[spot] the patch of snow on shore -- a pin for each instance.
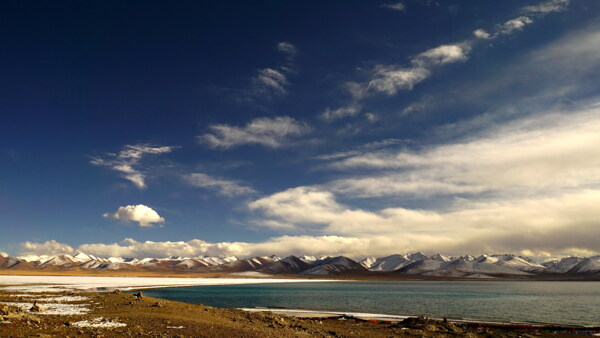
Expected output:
(62, 299)
(99, 323)
(53, 308)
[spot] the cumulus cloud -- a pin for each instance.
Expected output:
(141, 214)
(514, 25)
(482, 34)
(222, 186)
(51, 247)
(355, 247)
(127, 161)
(282, 246)
(442, 55)
(270, 132)
(397, 6)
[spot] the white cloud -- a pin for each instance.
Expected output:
(288, 48)
(517, 24)
(531, 184)
(47, 248)
(361, 150)
(222, 186)
(270, 82)
(546, 7)
(338, 113)
(442, 55)
(128, 159)
(555, 151)
(141, 214)
(356, 247)
(550, 224)
(398, 6)
(514, 25)
(482, 34)
(283, 246)
(270, 132)
(391, 79)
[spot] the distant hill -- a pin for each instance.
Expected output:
(416, 264)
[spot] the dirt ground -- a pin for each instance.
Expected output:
(125, 315)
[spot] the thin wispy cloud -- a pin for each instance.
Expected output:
(270, 132)
(389, 79)
(529, 14)
(361, 150)
(127, 161)
(273, 82)
(553, 151)
(546, 7)
(397, 6)
(270, 82)
(222, 186)
(287, 48)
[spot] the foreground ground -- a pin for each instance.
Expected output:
(64, 314)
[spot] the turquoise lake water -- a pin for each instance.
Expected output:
(567, 303)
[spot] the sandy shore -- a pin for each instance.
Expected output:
(87, 314)
(55, 306)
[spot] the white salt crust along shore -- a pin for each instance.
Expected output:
(49, 284)
(322, 314)
(327, 314)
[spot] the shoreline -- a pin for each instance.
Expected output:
(395, 318)
(123, 315)
(27, 289)
(109, 283)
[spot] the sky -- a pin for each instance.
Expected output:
(357, 128)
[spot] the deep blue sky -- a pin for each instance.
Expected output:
(80, 81)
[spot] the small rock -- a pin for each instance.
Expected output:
(117, 292)
(139, 295)
(35, 307)
(4, 310)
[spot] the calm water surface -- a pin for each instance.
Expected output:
(575, 303)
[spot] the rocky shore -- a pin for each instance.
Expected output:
(115, 314)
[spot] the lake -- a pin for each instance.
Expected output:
(548, 302)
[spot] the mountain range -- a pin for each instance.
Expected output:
(416, 264)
